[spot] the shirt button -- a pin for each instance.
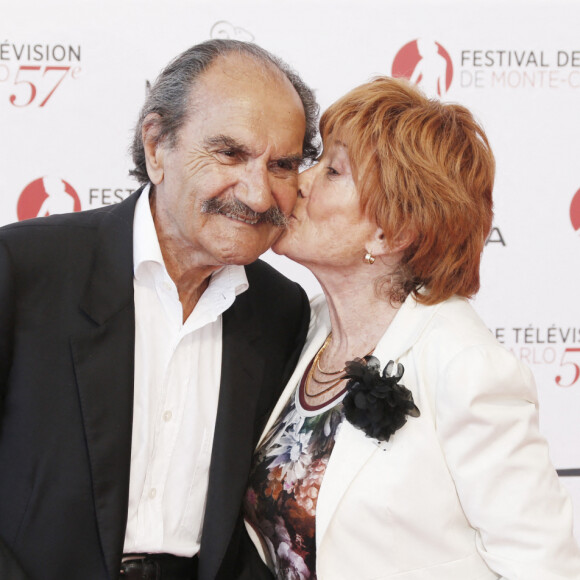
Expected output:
(152, 493)
(167, 416)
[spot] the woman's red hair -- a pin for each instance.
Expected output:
(425, 170)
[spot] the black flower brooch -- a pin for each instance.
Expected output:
(375, 402)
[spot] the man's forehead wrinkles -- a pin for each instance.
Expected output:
(224, 140)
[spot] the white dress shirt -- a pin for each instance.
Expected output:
(177, 378)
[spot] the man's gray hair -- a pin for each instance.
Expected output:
(169, 96)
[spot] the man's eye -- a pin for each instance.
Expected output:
(228, 152)
(331, 171)
(286, 164)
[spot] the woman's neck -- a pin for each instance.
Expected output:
(359, 318)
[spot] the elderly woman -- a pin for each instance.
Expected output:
(430, 466)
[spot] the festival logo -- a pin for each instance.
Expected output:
(428, 64)
(425, 63)
(47, 196)
(224, 29)
(575, 211)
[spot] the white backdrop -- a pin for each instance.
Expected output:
(73, 75)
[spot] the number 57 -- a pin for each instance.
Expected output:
(32, 87)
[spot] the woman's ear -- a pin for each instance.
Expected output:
(377, 245)
(403, 240)
(380, 246)
(154, 151)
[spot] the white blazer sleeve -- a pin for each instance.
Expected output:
(487, 420)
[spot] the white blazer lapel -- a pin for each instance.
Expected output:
(353, 448)
(351, 451)
(404, 331)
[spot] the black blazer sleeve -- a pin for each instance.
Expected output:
(6, 320)
(9, 567)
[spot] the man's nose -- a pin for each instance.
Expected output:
(255, 189)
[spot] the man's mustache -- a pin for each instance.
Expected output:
(234, 208)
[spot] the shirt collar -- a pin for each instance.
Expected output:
(145, 243)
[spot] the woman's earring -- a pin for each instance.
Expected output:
(369, 258)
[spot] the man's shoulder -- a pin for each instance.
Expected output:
(271, 293)
(67, 222)
(263, 277)
(277, 305)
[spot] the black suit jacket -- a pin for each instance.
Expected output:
(67, 327)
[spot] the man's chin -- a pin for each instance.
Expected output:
(278, 246)
(241, 258)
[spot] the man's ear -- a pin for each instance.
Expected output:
(154, 151)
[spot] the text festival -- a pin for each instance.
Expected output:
(520, 69)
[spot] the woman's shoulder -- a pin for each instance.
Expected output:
(455, 328)
(457, 319)
(458, 343)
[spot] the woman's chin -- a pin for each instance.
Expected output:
(289, 245)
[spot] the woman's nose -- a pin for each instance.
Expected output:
(305, 181)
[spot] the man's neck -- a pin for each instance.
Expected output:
(185, 267)
(191, 282)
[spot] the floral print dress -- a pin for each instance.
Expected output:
(288, 468)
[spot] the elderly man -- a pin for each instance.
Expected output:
(142, 345)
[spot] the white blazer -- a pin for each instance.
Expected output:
(466, 491)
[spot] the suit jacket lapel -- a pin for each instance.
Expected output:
(104, 367)
(317, 333)
(351, 451)
(404, 331)
(242, 367)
